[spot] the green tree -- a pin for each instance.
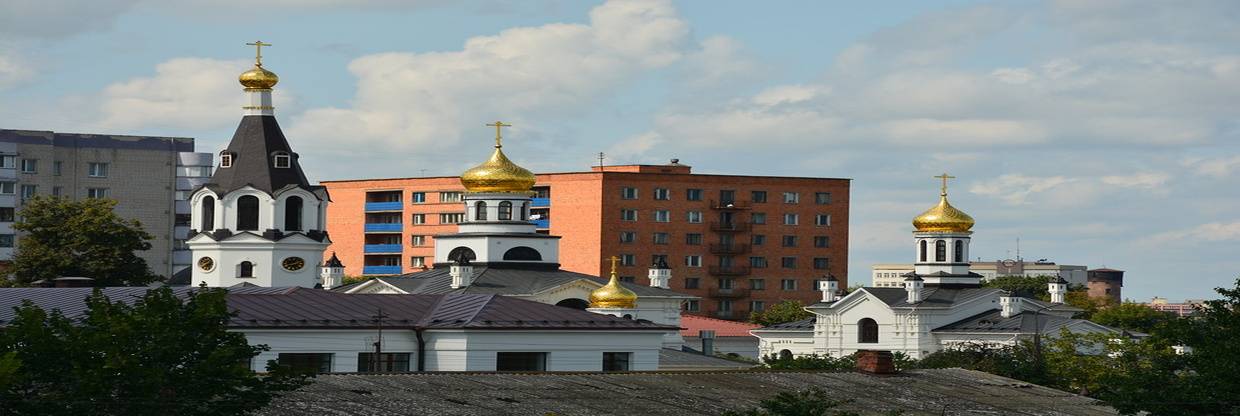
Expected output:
(810, 402)
(810, 362)
(160, 355)
(1132, 316)
(85, 238)
(1029, 286)
(1207, 383)
(784, 311)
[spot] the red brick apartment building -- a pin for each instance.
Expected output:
(741, 243)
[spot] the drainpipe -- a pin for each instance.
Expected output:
(417, 331)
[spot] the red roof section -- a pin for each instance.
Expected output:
(691, 324)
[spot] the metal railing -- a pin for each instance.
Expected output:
(729, 248)
(729, 270)
(734, 226)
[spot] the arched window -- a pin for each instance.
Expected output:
(247, 213)
(867, 331)
(480, 211)
(522, 253)
(456, 253)
(208, 213)
(940, 250)
(574, 303)
(245, 269)
(785, 354)
(958, 254)
(923, 250)
(292, 213)
(505, 211)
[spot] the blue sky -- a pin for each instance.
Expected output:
(1101, 133)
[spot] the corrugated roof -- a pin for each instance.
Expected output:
(1021, 323)
(691, 325)
(503, 281)
(932, 297)
(806, 324)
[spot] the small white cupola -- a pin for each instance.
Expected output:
(462, 272)
(332, 272)
(830, 288)
(660, 274)
(1011, 306)
(1059, 289)
(915, 287)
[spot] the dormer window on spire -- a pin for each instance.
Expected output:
(226, 159)
(282, 160)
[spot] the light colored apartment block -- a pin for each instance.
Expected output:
(892, 275)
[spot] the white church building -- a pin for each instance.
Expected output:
(941, 304)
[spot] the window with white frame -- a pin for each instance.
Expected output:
(693, 194)
(693, 261)
(693, 305)
(283, 160)
(28, 191)
(661, 238)
(662, 194)
(451, 218)
(822, 220)
(628, 215)
(417, 240)
(8, 161)
(792, 197)
(694, 217)
(822, 198)
(57, 165)
(98, 170)
(417, 261)
(226, 160)
(628, 260)
(757, 306)
(451, 196)
(628, 193)
(662, 216)
(418, 197)
(417, 219)
(628, 236)
(30, 165)
(788, 284)
(8, 188)
(96, 192)
(791, 219)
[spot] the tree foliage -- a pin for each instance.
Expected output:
(61, 237)
(1132, 316)
(810, 362)
(160, 355)
(809, 402)
(1027, 286)
(784, 311)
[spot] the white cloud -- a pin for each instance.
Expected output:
(1218, 167)
(789, 94)
(58, 18)
(1148, 180)
(721, 60)
(1015, 189)
(13, 70)
(1205, 233)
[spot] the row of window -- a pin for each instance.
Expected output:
(758, 262)
(282, 160)
(247, 213)
(940, 251)
(695, 239)
(725, 196)
(695, 217)
(29, 191)
(93, 169)
(399, 361)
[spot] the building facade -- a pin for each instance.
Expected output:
(892, 275)
(1106, 283)
(740, 243)
(148, 177)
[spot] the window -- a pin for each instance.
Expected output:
(391, 261)
(628, 236)
(788, 284)
(757, 197)
(56, 190)
(693, 283)
(867, 331)
(757, 239)
(792, 197)
(418, 197)
(693, 261)
(757, 284)
(307, 362)
(757, 305)
(693, 194)
(7, 188)
(662, 194)
(822, 198)
(791, 219)
(283, 160)
(725, 305)
(726, 283)
(292, 213)
(788, 262)
(480, 211)
(628, 260)
(417, 261)
(922, 248)
(694, 217)
(417, 240)
(7, 214)
(6, 240)
(757, 218)
(662, 216)
(30, 165)
(226, 160)
(388, 362)
(940, 250)
(693, 305)
(182, 220)
(8, 161)
(821, 241)
(628, 193)
(616, 361)
(520, 361)
(451, 196)
(100, 170)
(247, 213)
(96, 192)
(28, 191)
(56, 165)
(658, 259)
(822, 263)
(505, 211)
(417, 219)
(958, 253)
(628, 215)
(661, 238)
(693, 239)
(727, 196)
(757, 262)
(452, 218)
(245, 269)
(789, 241)
(822, 220)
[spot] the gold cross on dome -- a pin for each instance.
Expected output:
(613, 259)
(258, 51)
(498, 135)
(944, 177)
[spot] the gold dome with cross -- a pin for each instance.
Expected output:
(258, 78)
(613, 295)
(498, 174)
(943, 217)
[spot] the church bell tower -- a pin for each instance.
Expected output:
(941, 243)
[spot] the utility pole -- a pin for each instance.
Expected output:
(378, 360)
(600, 160)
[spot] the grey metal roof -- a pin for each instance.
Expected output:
(1022, 323)
(98, 141)
(296, 307)
(676, 360)
(255, 142)
(919, 392)
(804, 324)
(503, 281)
(932, 296)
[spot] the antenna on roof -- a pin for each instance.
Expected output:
(377, 360)
(601, 156)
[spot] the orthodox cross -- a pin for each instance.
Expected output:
(945, 177)
(258, 51)
(613, 259)
(498, 135)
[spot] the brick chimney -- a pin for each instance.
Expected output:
(875, 362)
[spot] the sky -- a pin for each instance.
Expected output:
(1100, 133)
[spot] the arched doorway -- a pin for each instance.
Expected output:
(574, 303)
(456, 254)
(867, 331)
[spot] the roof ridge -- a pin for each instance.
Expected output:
(723, 320)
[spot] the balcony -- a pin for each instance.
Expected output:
(729, 205)
(540, 202)
(383, 206)
(730, 227)
(394, 227)
(729, 270)
(541, 224)
(729, 248)
(729, 293)
(372, 270)
(381, 248)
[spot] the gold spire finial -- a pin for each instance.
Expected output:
(498, 135)
(613, 294)
(614, 260)
(944, 177)
(258, 51)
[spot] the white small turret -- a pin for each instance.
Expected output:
(1058, 289)
(915, 287)
(462, 272)
(830, 288)
(332, 272)
(660, 275)
(1011, 306)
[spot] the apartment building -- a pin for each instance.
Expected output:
(741, 243)
(150, 177)
(892, 275)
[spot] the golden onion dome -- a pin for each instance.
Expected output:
(943, 217)
(612, 294)
(258, 78)
(498, 174)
